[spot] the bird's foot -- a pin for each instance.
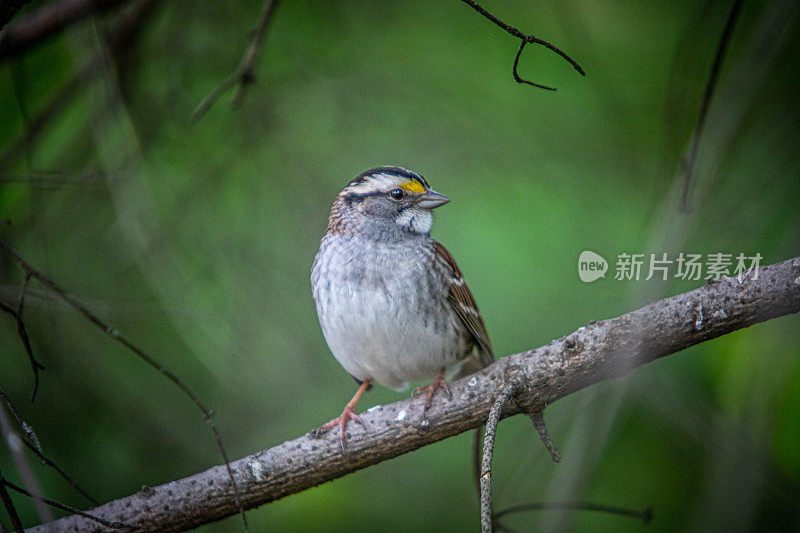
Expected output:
(428, 390)
(349, 413)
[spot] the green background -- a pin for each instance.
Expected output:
(196, 241)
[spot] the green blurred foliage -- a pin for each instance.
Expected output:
(196, 240)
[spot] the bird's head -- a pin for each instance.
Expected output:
(386, 199)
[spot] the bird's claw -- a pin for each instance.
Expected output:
(347, 414)
(428, 390)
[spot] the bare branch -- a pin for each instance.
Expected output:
(524, 39)
(22, 332)
(121, 34)
(690, 158)
(32, 442)
(48, 20)
(602, 350)
(244, 75)
(67, 508)
(24, 425)
(8, 505)
(14, 442)
(9, 9)
(117, 336)
(509, 390)
(537, 417)
(645, 516)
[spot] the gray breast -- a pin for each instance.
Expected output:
(384, 314)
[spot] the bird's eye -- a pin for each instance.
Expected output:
(396, 194)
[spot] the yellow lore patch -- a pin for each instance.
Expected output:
(412, 186)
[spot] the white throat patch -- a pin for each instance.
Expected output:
(418, 220)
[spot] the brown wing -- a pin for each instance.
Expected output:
(464, 305)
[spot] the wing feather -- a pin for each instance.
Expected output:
(463, 303)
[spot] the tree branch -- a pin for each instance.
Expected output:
(524, 39)
(48, 20)
(645, 516)
(113, 525)
(690, 158)
(9, 9)
(32, 443)
(244, 75)
(120, 35)
(602, 350)
(537, 417)
(9, 506)
(22, 332)
(112, 332)
(510, 389)
(15, 443)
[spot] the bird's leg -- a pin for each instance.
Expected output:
(439, 382)
(349, 413)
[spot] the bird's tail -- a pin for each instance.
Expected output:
(477, 360)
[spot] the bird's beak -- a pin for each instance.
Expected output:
(431, 199)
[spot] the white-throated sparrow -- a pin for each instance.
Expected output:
(391, 301)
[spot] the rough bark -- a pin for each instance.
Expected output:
(599, 351)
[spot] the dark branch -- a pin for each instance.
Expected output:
(524, 39)
(32, 443)
(537, 418)
(518, 79)
(15, 442)
(67, 508)
(10, 8)
(645, 516)
(23, 335)
(29, 433)
(244, 75)
(48, 20)
(122, 32)
(117, 336)
(8, 505)
(602, 350)
(689, 160)
(511, 387)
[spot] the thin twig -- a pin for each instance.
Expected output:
(494, 517)
(689, 160)
(24, 425)
(14, 442)
(32, 442)
(120, 35)
(67, 508)
(74, 484)
(117, 336)
(23, 334)
(9, 506)
(488, 453)
(524, 39)
(517, 77)
(48, 20)
(538, 422)
(243, 75)
(645, 516)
